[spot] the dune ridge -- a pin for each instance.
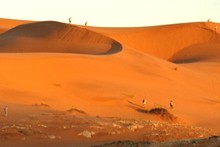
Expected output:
(50, 36)
(167, 40)
(156, 40)
(6, 24)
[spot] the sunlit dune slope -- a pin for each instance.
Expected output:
(6, 24)
(54, 37)
(167, 41)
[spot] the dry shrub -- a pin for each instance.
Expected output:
(163, 113)
(72, 110)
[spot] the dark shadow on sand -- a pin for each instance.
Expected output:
(162, 112)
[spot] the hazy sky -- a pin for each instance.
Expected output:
(113, 12)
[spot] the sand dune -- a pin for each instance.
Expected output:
(2, 30)
(55, 37)
(165, 41)
(6, 24)
(197, 53)
(106, 72)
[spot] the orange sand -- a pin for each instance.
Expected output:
(108, 71)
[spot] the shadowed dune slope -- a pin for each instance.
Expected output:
(197, 53)
(2, 30)
(167, 41)
(51, 36)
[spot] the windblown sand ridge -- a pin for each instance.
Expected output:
(55, 37)
(6, 24)
(168, 40)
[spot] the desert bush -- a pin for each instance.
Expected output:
(72, 110)
(163, 113)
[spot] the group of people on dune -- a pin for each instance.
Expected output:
(215, 28)
(70, 20)
(144, 102)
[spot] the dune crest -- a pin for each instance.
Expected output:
(56, 37)
(6, 24)
(167, 40)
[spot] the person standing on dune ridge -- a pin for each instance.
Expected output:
(69, 20)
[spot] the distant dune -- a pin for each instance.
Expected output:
(167, 40)
(56, 37)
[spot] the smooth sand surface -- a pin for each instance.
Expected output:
(107, 72)
(6, 24)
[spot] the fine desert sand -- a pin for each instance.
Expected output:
(67, 84)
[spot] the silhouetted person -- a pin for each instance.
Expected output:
(70, 20)
(208, 20)
(86, 24)
(6, 111)
(171, 104)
